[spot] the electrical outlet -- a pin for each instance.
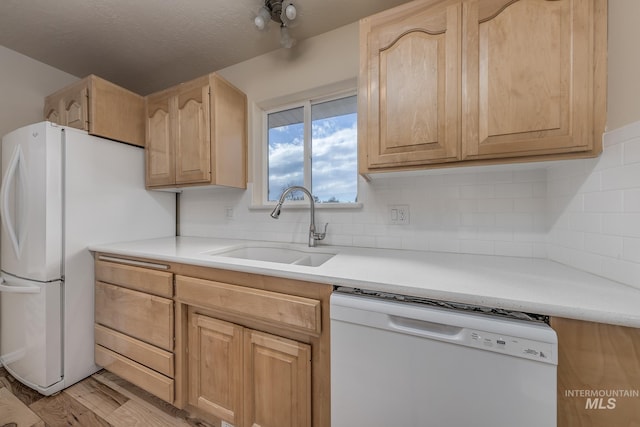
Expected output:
(229, 212)
(399, 214)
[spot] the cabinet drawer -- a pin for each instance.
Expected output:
(141, 279)
(136, 350)
(143, 316)
(285, 310)
(135, 373)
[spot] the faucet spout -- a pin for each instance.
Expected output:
(275, 214)
(313, 235)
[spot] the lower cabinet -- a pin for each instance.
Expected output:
(253, 350)
(247, 377)
(254, 357)
(247, 349)
(134, 325)
(598, 374)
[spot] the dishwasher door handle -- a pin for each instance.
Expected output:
(425, 328)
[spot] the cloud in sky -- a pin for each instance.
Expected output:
(334, 162)
(334, 158)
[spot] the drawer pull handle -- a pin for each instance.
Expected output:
(132, 262)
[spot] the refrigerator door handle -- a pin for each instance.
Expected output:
(18, 289)
(16, 166)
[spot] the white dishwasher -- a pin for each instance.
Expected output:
(409, 362)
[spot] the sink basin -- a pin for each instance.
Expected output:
(282, 254)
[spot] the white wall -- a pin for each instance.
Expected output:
(325, 60)
(584, 213)
(24, 83)
(623, 101)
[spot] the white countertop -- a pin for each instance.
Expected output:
(522, 284)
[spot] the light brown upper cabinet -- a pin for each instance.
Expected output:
(481, 81)
(99, 107)
(197, 135)
(409, 95)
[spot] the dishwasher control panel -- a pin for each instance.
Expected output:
(514, 346)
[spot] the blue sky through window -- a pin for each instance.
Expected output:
(333, 154)
(334, 173)
(286, 158)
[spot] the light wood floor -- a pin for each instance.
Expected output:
(100, 400)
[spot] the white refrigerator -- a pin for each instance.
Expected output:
(63, 190)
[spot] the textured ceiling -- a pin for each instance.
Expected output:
(148, 45)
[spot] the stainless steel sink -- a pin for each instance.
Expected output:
(278, 253)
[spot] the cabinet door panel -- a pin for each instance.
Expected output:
(215, 367)
(402, 129)
(410, 95)
(76, 110)
(528, 78)
(597, 357)
(159, 147)
(52, 109)
(277, 381)
(115, 112)
(228, 134)
(193, 136)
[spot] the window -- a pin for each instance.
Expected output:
(314, 144)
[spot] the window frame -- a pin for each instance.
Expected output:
(306, 103)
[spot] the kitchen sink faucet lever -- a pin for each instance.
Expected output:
(313, 235)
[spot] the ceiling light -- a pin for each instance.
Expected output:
(282, 12)
(290, 12)
(286, 40)
(262, 19)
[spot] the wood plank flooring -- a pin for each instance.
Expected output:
(101, 400)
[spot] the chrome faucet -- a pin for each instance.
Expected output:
(313, 236)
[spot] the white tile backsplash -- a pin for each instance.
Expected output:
(631, 249)
(449, 211)
(602, 244)
(622, 224)
(603, 201)
(595, 226)
(632, 152)
(631, 200)
(584, 213)
(621, 177)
